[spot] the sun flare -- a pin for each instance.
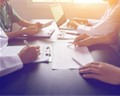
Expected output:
(75, 1)
(87, 1)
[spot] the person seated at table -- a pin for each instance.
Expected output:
(9, 64)
(99, 70)
(8, 16)
(109, 23)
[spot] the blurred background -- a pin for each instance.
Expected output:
(39, 9)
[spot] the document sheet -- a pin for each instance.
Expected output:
(14, 50)
(63, 55)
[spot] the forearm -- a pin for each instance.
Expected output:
(106, 39)
(24, 23)
(93, 22)
(12, 35)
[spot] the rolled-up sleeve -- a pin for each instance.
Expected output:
(9, 64)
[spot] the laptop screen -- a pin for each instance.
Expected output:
(58, 14)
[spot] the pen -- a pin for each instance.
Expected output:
(26, 43)
(77, 61)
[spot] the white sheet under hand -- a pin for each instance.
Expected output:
(62, 56)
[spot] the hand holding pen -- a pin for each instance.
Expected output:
(29, 54)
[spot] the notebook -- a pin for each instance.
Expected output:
(59, 17)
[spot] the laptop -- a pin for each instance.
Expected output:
(59, 17)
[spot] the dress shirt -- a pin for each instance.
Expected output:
(109, 23)
(8, 64)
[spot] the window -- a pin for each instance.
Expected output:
(75, 1)
(52, 0)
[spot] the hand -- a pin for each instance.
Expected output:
(102, 71)
(30, 54)
(32, 30)
(80, 20)
(81, 37)
(38, 25)
(86, 40)
(72, 24)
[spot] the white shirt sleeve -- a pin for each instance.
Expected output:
(9, 64)
(107, 25)
(93, 21)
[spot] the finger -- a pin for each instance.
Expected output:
(38, 47)
(86, 42)
(69, 24)
(37, 50)
(39, 53)
(94, 76)
(89, 70)
(81, 37)
(72, 24)
(90, 65)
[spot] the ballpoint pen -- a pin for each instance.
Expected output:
(77, 61)
(26, 43)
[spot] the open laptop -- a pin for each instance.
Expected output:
(59, 17)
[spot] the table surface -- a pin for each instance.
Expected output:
(40, 79)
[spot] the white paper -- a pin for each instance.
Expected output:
(46, 31)
(62, 56)
(14, 50)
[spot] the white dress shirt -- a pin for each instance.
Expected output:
(110, 22)
(8, 64)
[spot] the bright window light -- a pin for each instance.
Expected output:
(75, 1)
(88, 1)
(52, 0)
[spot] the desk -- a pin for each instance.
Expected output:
(40, 79)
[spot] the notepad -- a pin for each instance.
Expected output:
(14, 50)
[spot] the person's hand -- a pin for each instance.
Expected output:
(101, 71)
(29, 54)
(30, 31)
(38, 25)
(72, 24)
(86, 40)
(81, 37)
(80, 20)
